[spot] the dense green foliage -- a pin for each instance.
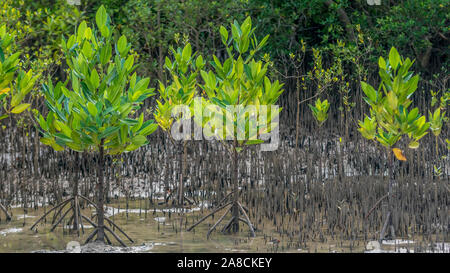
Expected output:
(152, 26)
(98, 108)
(237, 88)
(320, 110)
(319, 49)
(389, 116)
(184, 70)
(38, 27)
(15, 83)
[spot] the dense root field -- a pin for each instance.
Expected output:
(159, 231)
(296, 196)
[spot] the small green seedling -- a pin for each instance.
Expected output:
(320, 110)
(437, 118)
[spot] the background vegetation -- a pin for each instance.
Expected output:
(346, 37)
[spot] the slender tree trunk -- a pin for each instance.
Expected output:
(182, 173)
(36, 167)
(75, 192)
(437, 147)
(297, 122)
(235, 209)
(347, 121)
(100, 198)
(391, 198)
(341, 161)
(22, 184)
(389, 216)
(436, 176)
(390, 175)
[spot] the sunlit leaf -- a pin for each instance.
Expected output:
(399, 154)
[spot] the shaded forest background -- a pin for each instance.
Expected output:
(318, 48)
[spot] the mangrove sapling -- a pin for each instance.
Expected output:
(320, 114)
(320, 111)
(390, 119)
(323, 79)
(97, 113)
(15, 84)
(437, 119)
(175, 104)
(237, 91)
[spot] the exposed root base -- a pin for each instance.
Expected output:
(108, 241)
(233, 219)
(114, 226)
(76, 220)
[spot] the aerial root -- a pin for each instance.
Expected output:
(228, 225)
(95, 231)
(212, 213)
(60, 205)
(75, 220)
(387, 222)
(115, 236)
(116, 226)
(218, 222)
(60, 219)
(89, 238)
(226, 198)
(376, 204)
(3, 208)
(111, 223)
(247, 219)
(242, 211)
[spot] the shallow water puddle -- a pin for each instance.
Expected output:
(24, 216)
(407, 247)
(4, 232)
(158, 230)
(110, 211)
(397, 242)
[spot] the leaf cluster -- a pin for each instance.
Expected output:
(390, 118)
(99, 107)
